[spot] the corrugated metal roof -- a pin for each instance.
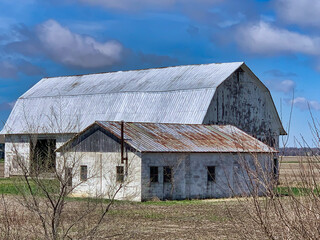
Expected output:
(167, 95)
(149, 80)
(161, 137)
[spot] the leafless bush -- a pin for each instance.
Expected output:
(290, 210)
(45, 180)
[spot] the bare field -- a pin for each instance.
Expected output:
(295, 168)
(196, 219)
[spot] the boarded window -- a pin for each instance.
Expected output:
(69, 177)
(120, 174)
(167, 174)
(83, 173)
(211, 173)
(154, 174)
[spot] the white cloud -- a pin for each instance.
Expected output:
(301, 12)
(262, 38)
(129, 5)
(285, 86)
(76, 50)
(10, 69)
(304, 104)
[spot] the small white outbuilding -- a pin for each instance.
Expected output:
(166, 161)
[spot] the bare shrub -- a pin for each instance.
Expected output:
(290, 210)
(45, 180)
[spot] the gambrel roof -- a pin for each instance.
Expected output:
(173, 138)
(68, 104)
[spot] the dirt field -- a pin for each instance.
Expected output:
(199, 219)
(295, 168)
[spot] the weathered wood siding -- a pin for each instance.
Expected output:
(97, 140)
(242, 102)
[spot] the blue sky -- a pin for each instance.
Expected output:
(278, 39)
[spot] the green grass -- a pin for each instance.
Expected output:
(17, 186)
(293, 161)
(293, 191)
(1, 160)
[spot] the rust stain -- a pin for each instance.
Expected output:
(164, 137)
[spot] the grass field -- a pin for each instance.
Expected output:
(187, 219)
(294, 168)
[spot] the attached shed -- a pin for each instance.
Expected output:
(55, 109)
(167, 161)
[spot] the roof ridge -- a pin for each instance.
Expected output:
(194, 124)
(144, 69)
(89, 94)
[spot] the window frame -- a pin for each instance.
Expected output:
(120, 174)
(167, 176)
(154, 175)
(211, 175)
(82, 172)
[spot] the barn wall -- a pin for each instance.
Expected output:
(242, 102)
(190, 175)
(102, 175)
(20, 145)
(101, 162)
(17, 149)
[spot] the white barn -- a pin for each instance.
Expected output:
(56, 108)
(166, 161)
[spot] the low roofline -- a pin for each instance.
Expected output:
(98, 123)
(254, 152)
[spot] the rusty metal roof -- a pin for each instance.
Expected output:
(164, 137)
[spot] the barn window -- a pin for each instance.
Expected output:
(83, 172)
(167, 174)
(120, 174)
(68, 177)
(42, 155)
(211, 173)
(154, 174)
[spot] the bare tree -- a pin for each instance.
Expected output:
(45, 180)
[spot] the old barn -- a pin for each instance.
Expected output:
(55, 109)
(166, 161)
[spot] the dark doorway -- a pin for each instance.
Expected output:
(275, 168)
(42, 155)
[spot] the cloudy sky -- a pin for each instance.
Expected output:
(278, 39)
